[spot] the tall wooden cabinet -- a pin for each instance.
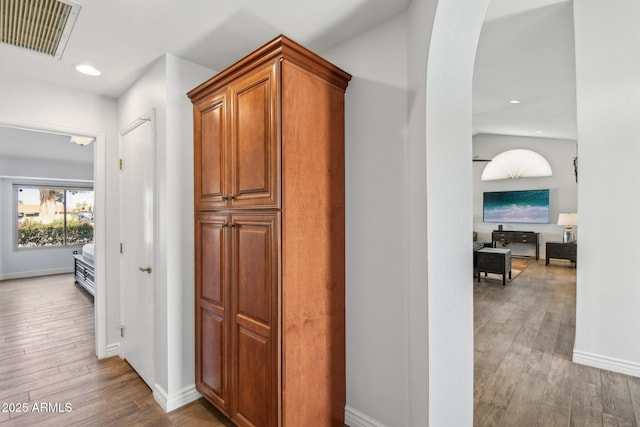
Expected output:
(269, 238)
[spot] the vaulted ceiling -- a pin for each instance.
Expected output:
(526, 53)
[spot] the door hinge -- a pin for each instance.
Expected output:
(121, 329)
(121, 248)
(120, 164)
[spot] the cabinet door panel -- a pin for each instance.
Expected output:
(212, 301)
(214, 364)
(255, 143)
(255, 252)
(210, 152)
(253, 279)
(212, 263)
(253, 379)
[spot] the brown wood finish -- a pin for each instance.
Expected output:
(210, 148)
(212, 302)
(236, 145)
(47, 354)
(255, 148)
(284, 166)
(255, 256)
(313, 248)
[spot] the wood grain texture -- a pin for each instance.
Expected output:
(313, 249)
(48, 356)
(586, 407)
(212, 313)
(524, 376)
(211, 136)
(284, 156)
(280, 46)
(523, 407)
(255, 254)
(254, 166)
(616, 398)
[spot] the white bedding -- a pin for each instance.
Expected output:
(87, 252)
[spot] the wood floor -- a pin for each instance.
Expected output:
(524, 376)
(48, 365)
(524, 335)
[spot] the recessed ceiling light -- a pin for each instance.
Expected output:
(539, 132)
(514, 101)
(88, 70)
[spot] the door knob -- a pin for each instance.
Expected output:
(147, 269)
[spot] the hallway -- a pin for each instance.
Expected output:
(48, 365)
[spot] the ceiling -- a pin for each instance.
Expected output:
(525, 50)
(122, 37)
(21, 143)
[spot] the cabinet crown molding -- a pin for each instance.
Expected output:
(282, 48)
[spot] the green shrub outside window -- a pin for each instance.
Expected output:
(49, 217)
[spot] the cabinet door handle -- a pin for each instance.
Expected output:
(147, 269)
(230, 197)
(224, 197)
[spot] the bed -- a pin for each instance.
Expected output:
(84, 271)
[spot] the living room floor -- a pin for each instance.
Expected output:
(524, 334)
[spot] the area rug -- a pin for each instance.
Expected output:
(518, 266)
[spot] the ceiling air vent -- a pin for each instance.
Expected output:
(37, 25)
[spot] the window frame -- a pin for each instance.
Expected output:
(53, 185)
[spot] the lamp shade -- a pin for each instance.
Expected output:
(568, 219)
(517, 163)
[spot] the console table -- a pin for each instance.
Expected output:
(559, 250)
(517, 237)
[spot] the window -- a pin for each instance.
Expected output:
(53, 216)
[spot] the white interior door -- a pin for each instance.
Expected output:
(136, 234)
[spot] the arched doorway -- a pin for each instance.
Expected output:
(441, 390)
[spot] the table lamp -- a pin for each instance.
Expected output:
(568, 220)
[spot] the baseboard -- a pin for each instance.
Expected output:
(112, 350)
(354, 418)
(607, 363)
(175, 401)
(36, 273)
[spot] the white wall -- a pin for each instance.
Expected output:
(421, 14)
(182, 76)
(608, 89)
(562, 184)
(409, 217)
(376, 225)
(164, 88)
(43, 105)
(456, 31)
